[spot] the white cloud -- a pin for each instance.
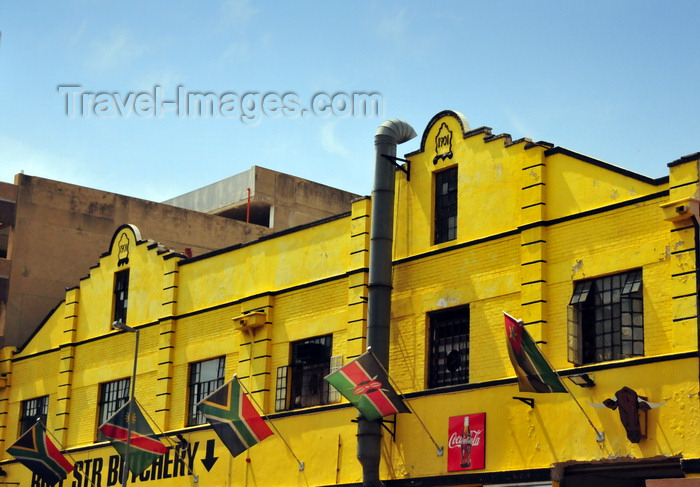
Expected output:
(237, 13)
(331, 143)
(115, 51)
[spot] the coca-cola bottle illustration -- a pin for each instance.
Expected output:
(466, 460)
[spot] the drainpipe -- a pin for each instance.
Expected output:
(388, 136)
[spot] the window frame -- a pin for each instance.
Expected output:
(112, 395)
(198, 389)
(121, 295)
(445, 205)
(437, 356)
(31, 411)
(292, 390)
(606, 318)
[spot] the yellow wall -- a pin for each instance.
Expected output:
(532, 219)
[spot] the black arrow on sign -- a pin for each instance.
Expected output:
(209, 459)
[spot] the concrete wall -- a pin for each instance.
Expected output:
(287, 201)
(61, 229)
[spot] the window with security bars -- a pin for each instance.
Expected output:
(33, 410)
(113, 395)
(606, 319)
(448, 347)
(301, 384)
(446, 205)
(121, 295)
(205, 377)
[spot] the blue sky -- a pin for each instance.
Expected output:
(617, 81)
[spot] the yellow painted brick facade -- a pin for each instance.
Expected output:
(532, 221)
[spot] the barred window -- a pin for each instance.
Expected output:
(113, 395)
(205, 377)
(33, 410)
(446, 205)
(449, 347)
(301, 384)
(606, 319)
(121, 295)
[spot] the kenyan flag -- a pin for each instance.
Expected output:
(364, 383)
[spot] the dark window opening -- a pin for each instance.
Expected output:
(606, 319)
(205, 377)
(121, 295)
(303, 380)
(113, 395)
(33, 410)
(449, 347)
(446, 205)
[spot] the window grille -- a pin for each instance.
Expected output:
(205, 377)
(449, 347)
(113, 395)
(33, 410)
(301, 384)
(336, 364)
(606, 319)
(121, 295)
(446, 205)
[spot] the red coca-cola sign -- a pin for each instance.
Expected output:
(467, 442)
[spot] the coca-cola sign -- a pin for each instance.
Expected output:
(466, 443)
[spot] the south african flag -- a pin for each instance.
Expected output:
(35, 451)
(233, 417)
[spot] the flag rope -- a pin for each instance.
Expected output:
(408, 404)
(63, 450)
(264, 416)
(167, 438)
(599, 435)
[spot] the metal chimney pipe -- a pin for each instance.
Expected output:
(388, 136)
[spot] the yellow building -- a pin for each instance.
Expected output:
(599, 262)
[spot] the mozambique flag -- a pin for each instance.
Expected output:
(35, 451)
(533, 371)
(365, 383)
(144, 446)
(233, 417)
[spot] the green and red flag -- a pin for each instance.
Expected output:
(144, 447)
(35, 450)
(365, 383)
(532, 369)
(233, 417)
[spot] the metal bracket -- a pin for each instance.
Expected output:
(406, 170)
(392, 431)
(527, 400)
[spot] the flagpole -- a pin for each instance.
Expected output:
(167, 438)
(440, 449)
(63, 450)
(119, 325)
(599, 435)
(301, 464)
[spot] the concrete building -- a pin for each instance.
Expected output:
(600, 263)
(51, 232)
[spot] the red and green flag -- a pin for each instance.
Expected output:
(233, 417)
(532, 369)
(35, 450)
(144, 447)
(365, 383)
